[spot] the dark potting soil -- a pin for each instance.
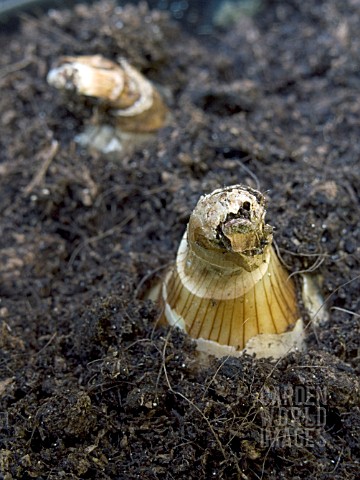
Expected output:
(89, 388)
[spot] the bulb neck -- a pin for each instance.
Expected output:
(226, 262)
(214, 278)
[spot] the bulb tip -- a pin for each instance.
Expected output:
(231, 220)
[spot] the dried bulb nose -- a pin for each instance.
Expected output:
(230, 223)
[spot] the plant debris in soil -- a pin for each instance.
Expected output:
(89, 387)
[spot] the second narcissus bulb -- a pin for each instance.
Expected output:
(131, 107)
(228, 289)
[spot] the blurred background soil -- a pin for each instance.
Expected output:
(89, 388)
